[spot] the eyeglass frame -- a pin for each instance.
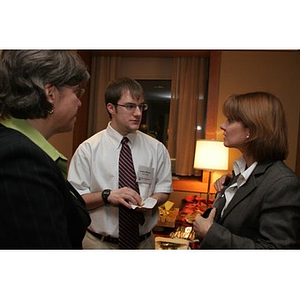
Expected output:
(132, 106)
(79, 91)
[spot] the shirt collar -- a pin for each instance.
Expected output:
(34, 135)
(116, 137)
(239, 167)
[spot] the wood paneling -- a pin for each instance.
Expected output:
(297, 170)
(80, 128)
(151, 53)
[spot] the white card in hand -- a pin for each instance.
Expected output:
(148, 203)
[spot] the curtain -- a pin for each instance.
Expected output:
(186, 92)
(103, 70)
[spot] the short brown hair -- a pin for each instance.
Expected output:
(263, 114)
(116, 88)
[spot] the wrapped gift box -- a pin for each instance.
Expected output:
(167, 218)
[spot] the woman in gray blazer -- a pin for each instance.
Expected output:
(259, 205)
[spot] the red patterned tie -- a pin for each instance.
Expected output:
(129, 219)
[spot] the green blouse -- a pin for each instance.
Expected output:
(24, 127)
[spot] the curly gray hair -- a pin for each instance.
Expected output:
(25, 73)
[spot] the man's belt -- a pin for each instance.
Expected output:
(110, 239)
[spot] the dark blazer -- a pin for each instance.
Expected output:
(37, 210)
(264, 213)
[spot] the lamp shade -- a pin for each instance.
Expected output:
(211, 155)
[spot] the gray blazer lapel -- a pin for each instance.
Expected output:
(253, 181)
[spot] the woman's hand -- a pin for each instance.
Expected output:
(202, 225)
(220, 183)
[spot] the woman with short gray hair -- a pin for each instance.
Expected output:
(40, 95)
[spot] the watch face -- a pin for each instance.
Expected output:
(106, 193)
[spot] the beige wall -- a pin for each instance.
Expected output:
(146, 67)
(277, 72)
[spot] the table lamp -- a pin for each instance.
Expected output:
(210, 155)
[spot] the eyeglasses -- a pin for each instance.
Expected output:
(77, 90)
(132, 106)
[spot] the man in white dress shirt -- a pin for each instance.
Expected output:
(94, 169)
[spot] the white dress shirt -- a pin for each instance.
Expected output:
(239, 167)
(94, 167)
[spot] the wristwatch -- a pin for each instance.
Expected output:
(105, 195)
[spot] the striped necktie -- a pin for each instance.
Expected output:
(129, 219)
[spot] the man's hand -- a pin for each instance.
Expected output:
(124, 196)
(202, 225)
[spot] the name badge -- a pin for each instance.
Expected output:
(145, 174)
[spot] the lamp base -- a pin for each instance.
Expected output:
(208, 188)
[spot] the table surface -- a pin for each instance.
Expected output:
(191, 185)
